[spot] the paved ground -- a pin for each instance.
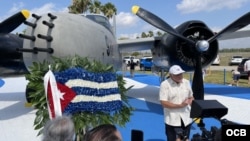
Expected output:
(16, 120)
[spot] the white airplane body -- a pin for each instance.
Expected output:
(70, 35)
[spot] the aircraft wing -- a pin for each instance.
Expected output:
(137, 44)
(235, 35)
(130, 45)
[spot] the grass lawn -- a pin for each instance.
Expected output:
(220, 77)
(214, 77)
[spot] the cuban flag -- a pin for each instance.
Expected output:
(83, 91)
(53, 95)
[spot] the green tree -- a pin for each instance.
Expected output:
(109, 10)
(143, 35)
(123, 38)
(135, 53)
(159, 33)
(96, 7)
(79, 6)
(150, 34)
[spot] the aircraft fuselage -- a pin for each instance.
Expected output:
(63, 35)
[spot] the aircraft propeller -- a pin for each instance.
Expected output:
(14, 21)
(200, 45)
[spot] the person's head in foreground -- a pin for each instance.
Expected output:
(59, 129)
(104, 132)
(176, 73)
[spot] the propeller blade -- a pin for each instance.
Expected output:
(158, 22)
(197, 85)
(234, 26)
(14, 21)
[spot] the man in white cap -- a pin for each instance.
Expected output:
(176, 96)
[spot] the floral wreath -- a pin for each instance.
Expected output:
(103, 88)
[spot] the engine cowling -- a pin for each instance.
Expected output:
(172, 50)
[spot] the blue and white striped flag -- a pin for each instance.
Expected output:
(88, 91)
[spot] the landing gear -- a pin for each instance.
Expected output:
(163, 75)
(161, 72)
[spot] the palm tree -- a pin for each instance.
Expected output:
(143, 35)
(96, 7)
(159, 33)
(150, 34)
(109, 10)
(79, 6)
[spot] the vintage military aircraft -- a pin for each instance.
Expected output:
(60, 35)
(191, 45)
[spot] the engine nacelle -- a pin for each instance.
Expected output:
(172, 50)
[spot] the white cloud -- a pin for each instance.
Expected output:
(126, 19)
(16, 8)
(192, 6)
(46, 8)
(216, 29)
(148, 27)
(125, 22)
(49, 7)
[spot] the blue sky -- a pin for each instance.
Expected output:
(215, 13)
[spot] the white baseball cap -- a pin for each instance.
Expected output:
(176, 69)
